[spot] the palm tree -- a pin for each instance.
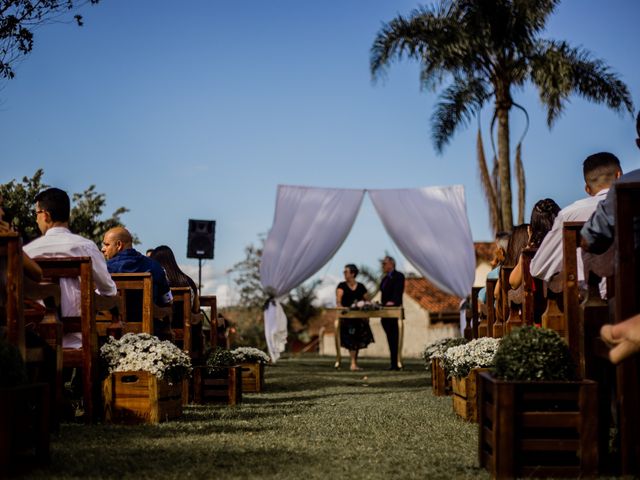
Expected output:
(484, 50)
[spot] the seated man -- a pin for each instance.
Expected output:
(52, 215)
(597, 233)
(117, 248)
(600, 171)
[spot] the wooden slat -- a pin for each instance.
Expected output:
(550, 419)
(549, 444)
(573, 320)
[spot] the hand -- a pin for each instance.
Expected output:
(389, 304)
(624, 337)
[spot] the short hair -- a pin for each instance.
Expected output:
(502, 239)
(638, 124)
(353, 269)
(543, 215)
(56, 202)
(391, 259)
(122, 234)
(600, 169)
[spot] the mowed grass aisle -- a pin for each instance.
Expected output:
(311, 422)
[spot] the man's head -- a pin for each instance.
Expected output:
(388, 264)
(600, 171)
(116, 240)
(52, 209)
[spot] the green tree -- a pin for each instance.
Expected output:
(483, 51)
(20, 18)
(86, 210)
(301, 302)
(247, 277)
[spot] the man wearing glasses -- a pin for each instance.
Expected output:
(52, 215)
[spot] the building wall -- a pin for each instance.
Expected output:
(418, 333)
(482, 270)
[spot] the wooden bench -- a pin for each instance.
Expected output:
(211, 302)
(626, 304)
(136, 293)
(86, 357)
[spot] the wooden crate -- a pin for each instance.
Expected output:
(224, 386)
(538, 429)
(139, 397)
(440, 384)
(24, 427)
(465, 395)
(252, 377)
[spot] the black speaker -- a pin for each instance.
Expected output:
(202, 235)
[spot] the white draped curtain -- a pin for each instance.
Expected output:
(309, 226)
(431, 229)
(429, 226)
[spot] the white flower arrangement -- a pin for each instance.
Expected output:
(459, 361)
(136, 352)
(250, 355)
(437, 348)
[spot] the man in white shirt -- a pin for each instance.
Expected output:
(600, 171)
(52, 214)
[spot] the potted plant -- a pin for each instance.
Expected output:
(219, 380)
(252, 362)
(462, 363)
(145, 379)
(432, 355)
(536, 418)
(24, 412)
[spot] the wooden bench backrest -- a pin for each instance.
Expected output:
(475, 314)
(570, 291)
(529, 298)
(136, 291)
(627, 303)
(491, 309)
(211, 302)
(182, 309)
(86, 358)
(11, 281)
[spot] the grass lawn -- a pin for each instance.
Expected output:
(311, 422)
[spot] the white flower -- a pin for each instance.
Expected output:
(249, 355)
(144, 352)
(459, 361)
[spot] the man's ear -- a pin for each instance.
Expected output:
(638, 142)
(619, 173)
(588, 190)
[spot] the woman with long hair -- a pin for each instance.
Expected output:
(543, 215)
(176, 277)
(355, 333)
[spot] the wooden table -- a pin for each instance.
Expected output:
(383, 312)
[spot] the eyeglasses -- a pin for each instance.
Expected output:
(39, 212)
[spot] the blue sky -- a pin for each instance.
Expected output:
(199, 109)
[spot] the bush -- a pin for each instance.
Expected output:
(218, 359)
(12, 369)
(531, 353)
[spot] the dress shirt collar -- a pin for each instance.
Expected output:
(57, 230)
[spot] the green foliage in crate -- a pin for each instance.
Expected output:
(531, 353)
(218, 359)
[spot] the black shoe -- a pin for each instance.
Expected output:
(393, 368)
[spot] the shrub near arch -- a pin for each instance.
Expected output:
(535, 354)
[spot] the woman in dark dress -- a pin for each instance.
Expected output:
(355, 333)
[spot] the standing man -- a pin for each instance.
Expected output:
(391, 290)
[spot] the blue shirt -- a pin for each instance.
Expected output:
(132, 261)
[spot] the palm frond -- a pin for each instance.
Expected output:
(487, 185)
(458, 103)
(519, 171)
(559, 70)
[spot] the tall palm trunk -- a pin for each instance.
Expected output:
(504, 162)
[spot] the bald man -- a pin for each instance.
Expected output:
(117, 248)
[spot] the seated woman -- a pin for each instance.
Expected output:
(517, 242)
(177, 278)
(502, 239)
(543, 215)
(355, 333)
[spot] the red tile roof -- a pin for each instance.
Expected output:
(430, 297)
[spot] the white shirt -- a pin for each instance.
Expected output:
(60, 242)
(547, 262)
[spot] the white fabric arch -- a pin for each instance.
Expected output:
(309, 226)
(431, 229)
(429, 226)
